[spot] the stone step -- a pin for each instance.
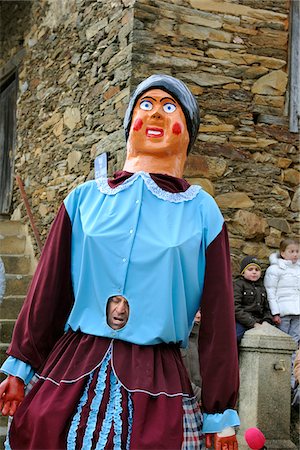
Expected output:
(12, 245)
(10, 306)
(16, 264)
(2, 435)
(6, 329)
(3, 356)
(3, 423)
(17, 284)
(11, 227)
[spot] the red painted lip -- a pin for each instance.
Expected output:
(154, 132)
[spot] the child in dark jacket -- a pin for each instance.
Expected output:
(250, 298)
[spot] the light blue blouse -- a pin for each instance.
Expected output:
(153, 244)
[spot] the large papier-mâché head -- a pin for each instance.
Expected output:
(179, 91)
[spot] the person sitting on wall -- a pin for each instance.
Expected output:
(161, 244)
(250, 298)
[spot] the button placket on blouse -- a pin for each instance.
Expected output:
(125, 258)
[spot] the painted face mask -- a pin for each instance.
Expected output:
(175, 89)
(158, 126)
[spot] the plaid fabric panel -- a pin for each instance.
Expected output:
(30, 385)
(192, 425)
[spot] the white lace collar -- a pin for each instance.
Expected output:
(175, 197)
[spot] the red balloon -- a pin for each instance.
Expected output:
(254, 438)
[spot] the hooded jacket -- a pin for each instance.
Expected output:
(282, 282)
(251, 304)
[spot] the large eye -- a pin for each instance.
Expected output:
(146, 105)
(169, 107)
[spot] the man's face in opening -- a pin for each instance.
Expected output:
(158, 126)
(252, 273)
(117, 312)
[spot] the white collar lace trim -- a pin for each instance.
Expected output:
(175, 197)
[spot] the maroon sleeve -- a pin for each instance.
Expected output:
(217, 336)
(49, 299)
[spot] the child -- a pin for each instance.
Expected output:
(250, 298)
(282, 282)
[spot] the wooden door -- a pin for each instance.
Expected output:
(8, 101)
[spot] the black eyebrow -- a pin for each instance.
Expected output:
(162, 99)
(168, 98)
(148, 96)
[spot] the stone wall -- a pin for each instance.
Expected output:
(233, 55)
(74, 87)
(15, 21)
(83, 57)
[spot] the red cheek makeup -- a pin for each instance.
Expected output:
(176, 129)
(137, 124)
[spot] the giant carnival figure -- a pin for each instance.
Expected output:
(126, 265)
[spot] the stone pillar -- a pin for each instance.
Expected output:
(265, 389)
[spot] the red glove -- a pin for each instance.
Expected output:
(11, 395)
(221, 443)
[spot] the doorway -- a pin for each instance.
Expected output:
(8, 105)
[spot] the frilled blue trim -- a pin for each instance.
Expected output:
(176, 197)
(109, 415)
(113, 412)
(117, 415)
(99, 390)
(130, 417)
(71, 439)
(214, 423)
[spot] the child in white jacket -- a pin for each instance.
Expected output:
(282, 282)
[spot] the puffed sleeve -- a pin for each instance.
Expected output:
(43, 316)
(217, 339)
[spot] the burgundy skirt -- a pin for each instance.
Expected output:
(98, 393)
